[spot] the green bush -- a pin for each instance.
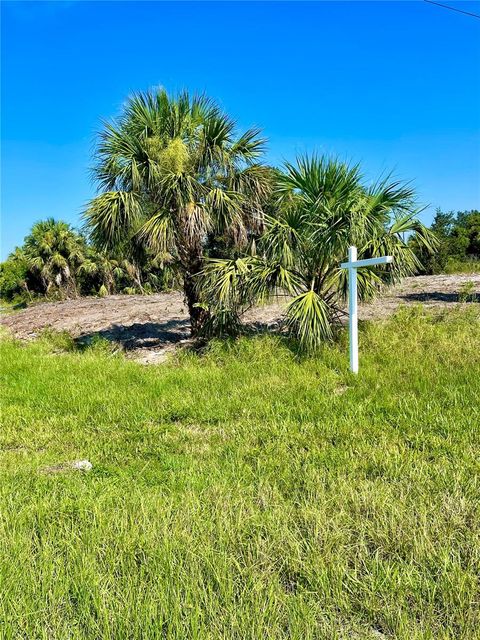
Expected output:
(13, 275)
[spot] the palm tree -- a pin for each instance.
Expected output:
(322, 207)
(54, 251)
(99, 272)
(173, 173)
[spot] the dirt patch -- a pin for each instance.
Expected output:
(148, 327)
(440, 291)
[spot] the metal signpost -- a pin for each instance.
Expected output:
(352, 265)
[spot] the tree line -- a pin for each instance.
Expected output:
(56, 261)
(186, 200)
(458, 243)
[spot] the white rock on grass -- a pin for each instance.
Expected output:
(82, 465)
(76, 465)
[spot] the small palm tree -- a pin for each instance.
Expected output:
(98, 272)
(322, 207)
(173, 173)
(54, 251)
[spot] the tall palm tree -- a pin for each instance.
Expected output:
(54, 251)
(322, 207)
(172, 173)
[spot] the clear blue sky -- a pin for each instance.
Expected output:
(395, 85)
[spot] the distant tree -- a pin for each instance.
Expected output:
(443, 223)
(468, 228)
(458, 242)
(173, 173)
(14, 275)
(54, 251)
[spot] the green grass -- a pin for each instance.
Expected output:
(245, 493)
(7, 306)
(462, 266)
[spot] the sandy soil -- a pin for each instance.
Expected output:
(149, 326)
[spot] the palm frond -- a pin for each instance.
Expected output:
(249, 146)
(110, 215)
(309, 319)
(158, 232)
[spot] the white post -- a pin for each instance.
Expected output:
(352, 265)
(352, 309)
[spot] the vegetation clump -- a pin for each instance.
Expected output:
(186, 200)
(175, 176)
(322, 207)
(57, 262)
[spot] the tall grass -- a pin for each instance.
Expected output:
(245, 493)
(454, 266)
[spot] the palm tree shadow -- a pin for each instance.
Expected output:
(147, 335)
(278, 330)
(434, 296)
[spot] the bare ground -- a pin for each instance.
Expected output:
(148, 327)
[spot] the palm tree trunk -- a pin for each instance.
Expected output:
(190, 251)
(137, 277)
(192, 263)
(198, 315)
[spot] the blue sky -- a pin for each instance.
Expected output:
(395, 85)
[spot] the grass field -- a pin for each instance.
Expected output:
(246, 493)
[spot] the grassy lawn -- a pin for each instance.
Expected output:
(246, 493)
